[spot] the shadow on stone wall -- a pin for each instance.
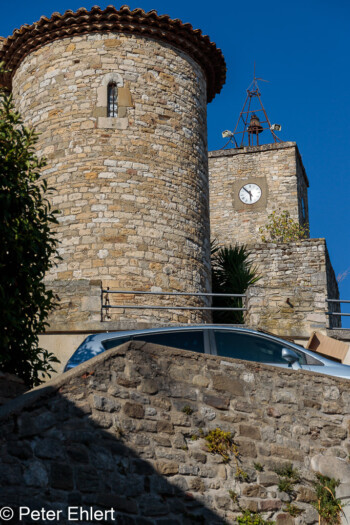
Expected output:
(57, 456)
(117, 432)
(56, 453)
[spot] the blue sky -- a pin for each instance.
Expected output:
(302, 48)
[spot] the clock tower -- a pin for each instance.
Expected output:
(249, 183)
(250, 180)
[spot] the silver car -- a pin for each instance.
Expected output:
(224, 341)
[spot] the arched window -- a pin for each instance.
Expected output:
(112, 93)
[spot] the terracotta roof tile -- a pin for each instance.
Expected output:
(29, 37)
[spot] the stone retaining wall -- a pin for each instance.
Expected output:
(127, 431)
(290, 298)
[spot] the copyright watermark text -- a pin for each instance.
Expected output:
(73, 514)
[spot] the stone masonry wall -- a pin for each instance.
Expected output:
(132, 190)
(290, 298)
(126, 431)
(276, 168)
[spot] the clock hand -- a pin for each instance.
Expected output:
(250, 193)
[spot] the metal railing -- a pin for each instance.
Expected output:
(106, 305)
(337, 314)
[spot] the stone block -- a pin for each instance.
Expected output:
(269, 505)
(200, 381)
(167, 468)
(124, 97)
(267, 479)
(61, 476)
(77, 453)
(163, 441)
(221, 403)
(134, 410)
(228, 384)
(119, 503)
(50, 449)
(249, 431)
(246, 448)
(249, 504)
(306, 495)
(165, 426)
(335, 432)
(11, 474)
(88, 479)
(284, 519)
(254, 491)
(287, 453)
(19, 450)
(149, 386)
(336, 468)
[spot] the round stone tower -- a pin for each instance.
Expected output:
(119, 99)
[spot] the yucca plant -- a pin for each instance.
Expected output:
(232, 273)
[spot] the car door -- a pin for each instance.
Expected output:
(253, 347)
(193, 340)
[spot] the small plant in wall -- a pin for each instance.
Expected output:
(288, 476)
(327, 505)
(233, 495)
(282, 228)
(252, 518)
(220, 442)
(187, 410)
(288, 471)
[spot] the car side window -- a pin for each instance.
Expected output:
(251, 347)
(185, 340)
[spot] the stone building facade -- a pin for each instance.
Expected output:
(132, 187)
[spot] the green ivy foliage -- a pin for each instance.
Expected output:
(282, 228)
(27, 250)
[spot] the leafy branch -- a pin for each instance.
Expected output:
(282, 228)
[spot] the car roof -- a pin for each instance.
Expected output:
(103, 336)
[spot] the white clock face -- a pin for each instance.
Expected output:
(250, 193)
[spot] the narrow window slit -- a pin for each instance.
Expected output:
(112, 93)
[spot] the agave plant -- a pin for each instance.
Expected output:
(232, 273)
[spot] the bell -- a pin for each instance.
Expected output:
(254, 125)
